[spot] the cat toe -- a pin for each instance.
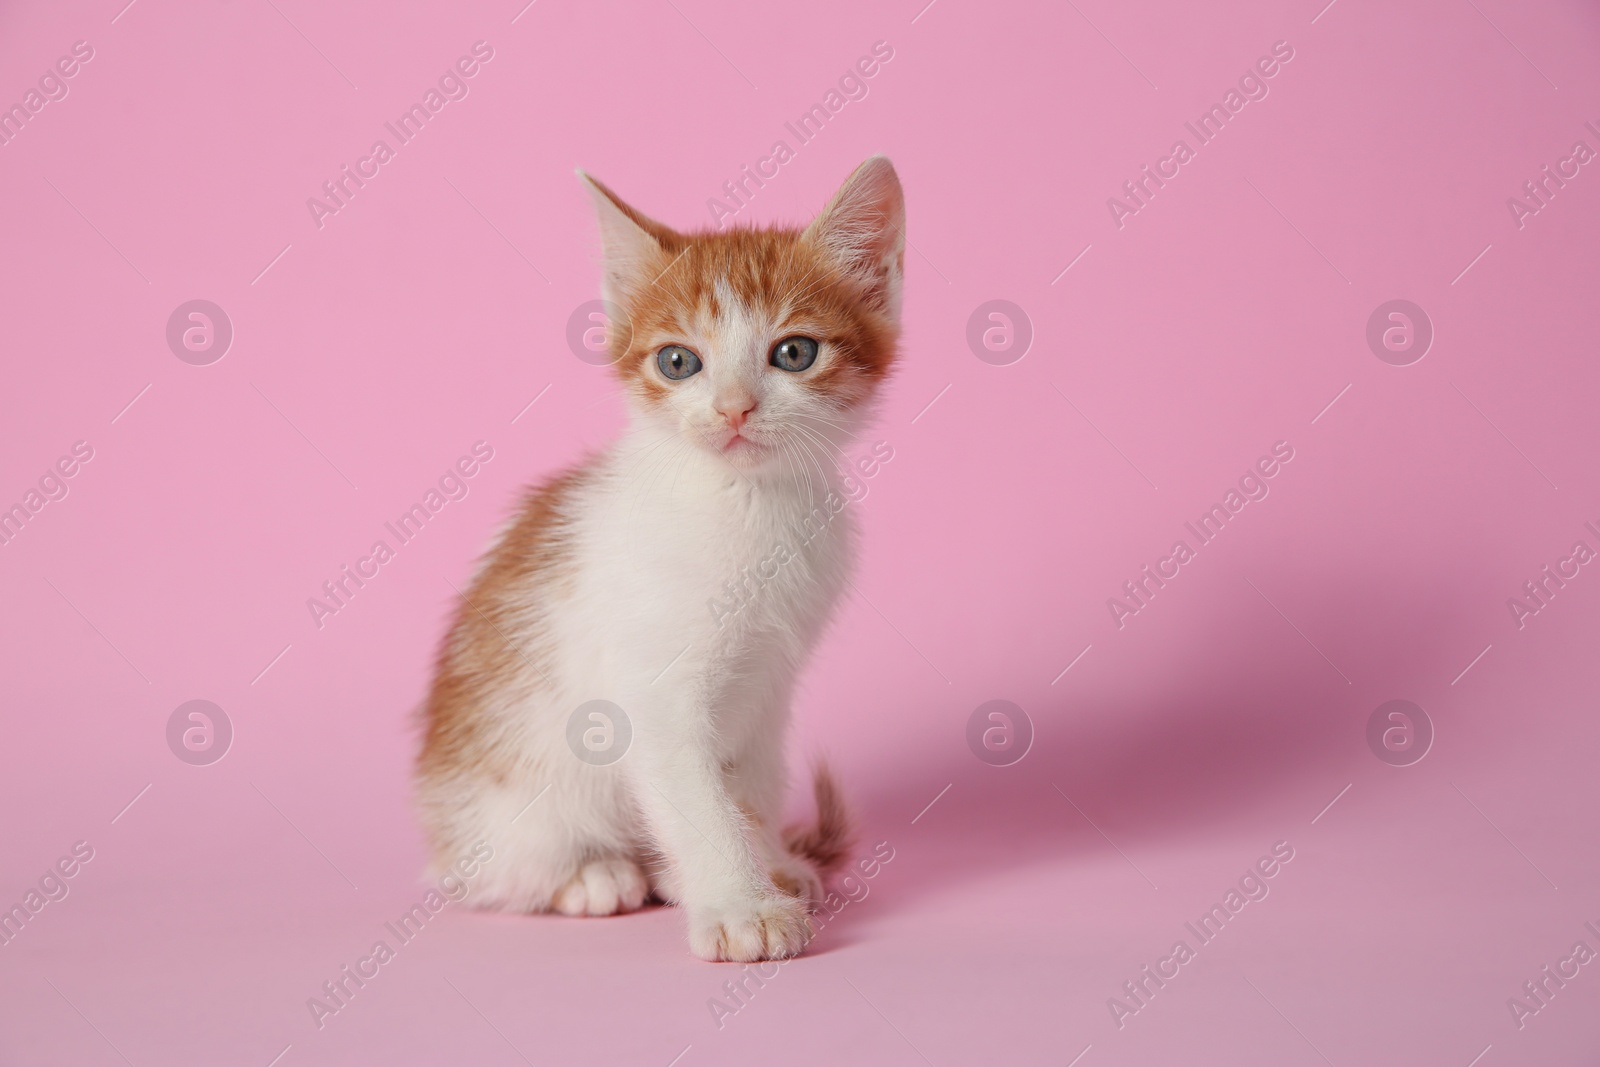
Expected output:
(772, 928)
(603, 887)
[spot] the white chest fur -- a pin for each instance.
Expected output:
(680, 555)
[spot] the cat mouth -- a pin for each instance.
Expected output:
(741, 446)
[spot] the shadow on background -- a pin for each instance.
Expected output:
(1251, 731)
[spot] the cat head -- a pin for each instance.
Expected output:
(759, 345)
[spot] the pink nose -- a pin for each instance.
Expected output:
(737, 412)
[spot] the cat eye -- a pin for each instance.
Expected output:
(677, 362)
(794, 353)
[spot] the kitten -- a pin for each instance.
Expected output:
(748, 359)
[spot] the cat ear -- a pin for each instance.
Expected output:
(863, 230)
(631, 243)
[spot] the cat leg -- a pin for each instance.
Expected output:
(561, 844)
(757, 779)
(735, 911)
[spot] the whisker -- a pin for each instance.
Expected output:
(810, 455)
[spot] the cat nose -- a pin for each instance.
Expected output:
(736, 411)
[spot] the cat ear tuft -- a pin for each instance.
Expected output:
(863, 230)
(631, 242)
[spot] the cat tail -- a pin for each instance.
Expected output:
(827, 843)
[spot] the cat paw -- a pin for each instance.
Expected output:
(797, 878)
(603, 887)
(768, 928)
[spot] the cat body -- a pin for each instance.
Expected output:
(610, 708)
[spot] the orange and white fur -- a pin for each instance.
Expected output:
(749, 359)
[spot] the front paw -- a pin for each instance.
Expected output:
(767, 928)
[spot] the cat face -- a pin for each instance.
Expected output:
(764, 347)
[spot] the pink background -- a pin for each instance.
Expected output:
(1223, 317)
